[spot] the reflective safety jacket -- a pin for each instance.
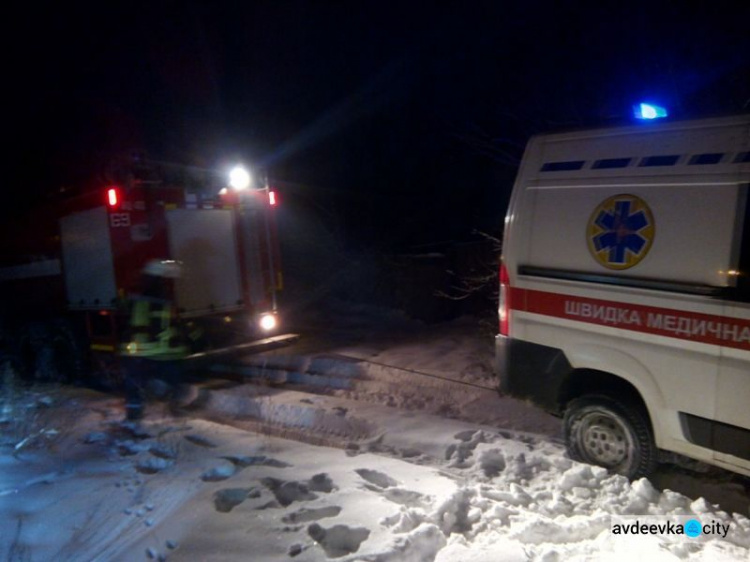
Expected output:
(152, 332)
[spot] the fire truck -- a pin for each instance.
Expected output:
(67, 271)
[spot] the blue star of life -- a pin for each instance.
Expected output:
(620, 232)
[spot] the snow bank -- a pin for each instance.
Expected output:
(198, 490)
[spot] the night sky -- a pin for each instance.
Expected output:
(402, 122)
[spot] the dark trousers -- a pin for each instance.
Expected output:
(145, 376)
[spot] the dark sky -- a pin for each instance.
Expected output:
(405, 120)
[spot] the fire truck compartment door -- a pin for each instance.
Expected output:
(204, 241)
(87, 259)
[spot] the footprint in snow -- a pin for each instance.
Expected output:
(492, 462)
(289, 492)
(528, 440)
(96, 437)
(379, 479)
(227, 499)
(135, 430)
(297, 549)
(200, 441)
(219, 473)
(152, 465)
(410, 453)
(163, 452)
(259, 460)
(286, 493)
(461, 452)
(338, 540)
(273, 504)
(306, 515)
(321, 483)
(465, 435)
(408, 498)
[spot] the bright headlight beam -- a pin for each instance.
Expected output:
(239, 178)
(268, 322)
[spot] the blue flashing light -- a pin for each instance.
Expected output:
(649, 111)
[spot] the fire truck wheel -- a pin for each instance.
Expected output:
(27, 349)
(50, 351)
(68, 353)
(11, 368)
(616, 435)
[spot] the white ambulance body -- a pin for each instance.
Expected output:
(625, 291)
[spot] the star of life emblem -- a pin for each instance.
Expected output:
(620, 232)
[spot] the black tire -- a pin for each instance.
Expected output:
(68, 353)
(51, 352)
(28, 349)
(616, 435)
(10, 369)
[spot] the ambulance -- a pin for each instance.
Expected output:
(625, 291)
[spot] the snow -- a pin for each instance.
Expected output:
(486, 480)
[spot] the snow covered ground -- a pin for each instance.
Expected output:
(382, 470)
(426, 488)
(379, 356)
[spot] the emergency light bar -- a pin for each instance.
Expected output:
(649, 111)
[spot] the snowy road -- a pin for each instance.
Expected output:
(387, 466)
(427, 488)
(377, 356)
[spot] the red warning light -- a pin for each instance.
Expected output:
(113, 196)
(272, 198)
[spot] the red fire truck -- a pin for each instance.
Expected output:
(67, 271)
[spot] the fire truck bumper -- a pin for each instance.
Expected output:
(255, 346)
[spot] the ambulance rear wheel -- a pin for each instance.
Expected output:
(616, 435)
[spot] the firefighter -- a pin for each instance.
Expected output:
(153, 346)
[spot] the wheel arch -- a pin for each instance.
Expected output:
(610, 371)
(581, 382)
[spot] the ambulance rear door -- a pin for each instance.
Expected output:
(730, 432)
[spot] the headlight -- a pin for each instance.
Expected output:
(268, 322)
